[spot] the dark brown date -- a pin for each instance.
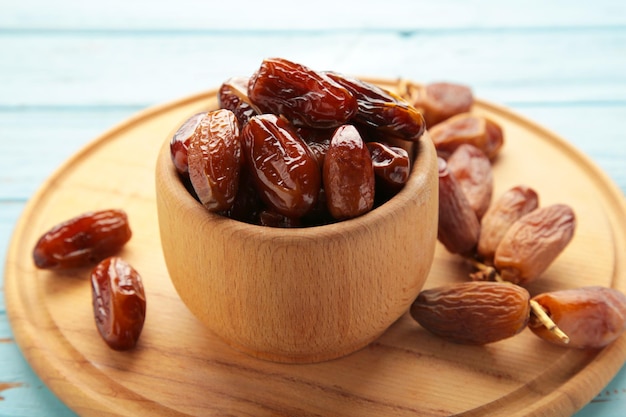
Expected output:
(473, 313)
(348, 175)
(285, 172)
(214, 157)
(458, 227)
(304, 96)
(382, 110)
(591, 317)
(179, 145)
(318, 141)
(83, 240)
(119, 303)
(233, 96)
(391, 164)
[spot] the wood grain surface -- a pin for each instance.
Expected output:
(180, 368)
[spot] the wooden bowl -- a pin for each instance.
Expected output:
(300, 295)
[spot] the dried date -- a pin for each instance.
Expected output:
(473, 313)
(472, 169)
(83, 240)
(284, 170)
(119, 303)
(305, 97)
(391, 164)
(475, 130)
(507, 209)
(233, 96)
(591, 317)
(214, 157)
(458, 227)
(179, 144)
(348, 175)
(532, 243)
(440, 101)
(381, 110)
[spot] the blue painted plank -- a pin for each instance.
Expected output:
(137, 69)
(326, 14)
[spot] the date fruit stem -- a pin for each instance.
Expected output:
(543, 317)
(489, 273)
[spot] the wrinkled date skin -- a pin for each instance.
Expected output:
(441, 100)
(304, 96)
(179, 144)
(468, 128)
(119, 303)
(391, 164)
(285, 172)
(233, 96)
(473, 313)
(504, 211)
(592, 317)
(348, 175)
(379, 109)
(472, 169)
(532, 243)
(214, 158)
(458, 228)
(83, 240)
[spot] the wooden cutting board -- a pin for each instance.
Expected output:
(180, 368)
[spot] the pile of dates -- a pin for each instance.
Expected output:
(118, 295)
(294, 147)
(509, 243)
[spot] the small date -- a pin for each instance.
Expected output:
(119, 303)
(591, 317)
(83, 240)
(214, 158)
(348, 175)
(473, 313)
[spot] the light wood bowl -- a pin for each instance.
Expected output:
(300, 295)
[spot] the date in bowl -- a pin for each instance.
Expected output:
(307, 294)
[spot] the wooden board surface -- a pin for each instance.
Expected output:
(179, 368)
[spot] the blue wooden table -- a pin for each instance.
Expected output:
(71, 69)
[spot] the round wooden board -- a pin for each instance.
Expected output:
(180, 368)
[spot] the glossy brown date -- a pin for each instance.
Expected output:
(391, 164)
(284, 170)
(179, 144)
(348, 175)
(119, 303)
(379, 109)
(83, 240)
(473, 313)
(305, 97)
(214, 157)
(233, 96)
(591, 317)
